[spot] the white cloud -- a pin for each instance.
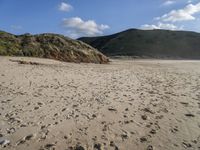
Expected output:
(184, 14)
(161, 26)
(16, 27)
(65, 7)
(189, 1)
(168, 2)
(77, 27)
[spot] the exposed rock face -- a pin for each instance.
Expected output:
(52, 46)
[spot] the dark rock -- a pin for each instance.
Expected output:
(97, 146)
(28, 137)
(126, 109)
(125, 116)
(112, 144)
(47, 146)
(184, 103)
(126, 122)
(143, 139)
(153, 131)
(159, 117)
(23, 125)
(94, 116)
(78, 147)
(150, 147)
(189, 115)
(148, 110)
(186, 145)
(116, 148)
(144, 117)
(124, 136)
(39, 103)
(63, 109)
(112, 109)
(35, 108)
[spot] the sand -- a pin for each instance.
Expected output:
(125, 105)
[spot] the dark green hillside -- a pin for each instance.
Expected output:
(149, 43)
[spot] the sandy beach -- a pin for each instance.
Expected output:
(124, 105)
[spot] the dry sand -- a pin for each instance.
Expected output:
(125, 105)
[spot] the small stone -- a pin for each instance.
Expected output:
(159, 117)
(94, 116)
(153, 131)
(148, 110)
(144, 117)
(35, 108)
(194, 141)
(143, 139)
(126, 122)
(174, 130)
(23, 125)
(28, 137)
(189, 115)
(47, 146)
(112, 144)
(63, 109)
(125, 116)
(75, 105)
(150, 147)
(185, 103)
(124, 136)
(97, 146)
(78, 147)
(39, 103)
(112, 109)
(186, 145)
(43, 126)
(116, 148)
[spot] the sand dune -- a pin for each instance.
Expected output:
(124, 105)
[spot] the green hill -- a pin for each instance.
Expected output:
(149, 43)
(52, 46)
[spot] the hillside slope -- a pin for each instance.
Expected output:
(52, 46)
(149, 43)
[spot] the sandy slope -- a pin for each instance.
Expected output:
(126, 105)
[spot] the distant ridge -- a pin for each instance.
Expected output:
(149, 43)
(52, 46)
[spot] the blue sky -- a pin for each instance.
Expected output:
(77, 18)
